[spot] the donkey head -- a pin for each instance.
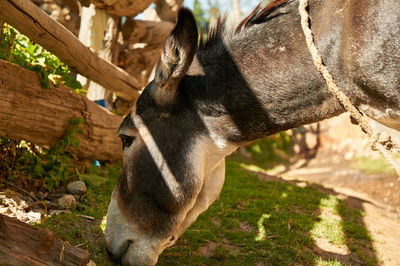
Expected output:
(172, 171)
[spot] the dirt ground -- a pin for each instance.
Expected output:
(340, 145)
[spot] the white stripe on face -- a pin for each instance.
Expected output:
(158, 159)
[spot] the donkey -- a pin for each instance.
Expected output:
(239, 84)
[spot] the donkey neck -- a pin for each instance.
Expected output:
(260, 81)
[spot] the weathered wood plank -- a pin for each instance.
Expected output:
(37, 25)
(147, 32)
(129, 8)
(40, 116)
(21, 244)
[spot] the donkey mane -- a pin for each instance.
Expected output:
(219, 31)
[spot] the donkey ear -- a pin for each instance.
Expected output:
(178, 52)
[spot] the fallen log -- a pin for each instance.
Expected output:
(38, 26)
(41, 116)
(21, 244)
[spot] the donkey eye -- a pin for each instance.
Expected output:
(126, 140)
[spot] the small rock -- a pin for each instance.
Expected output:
(67, 202)
(77, 187)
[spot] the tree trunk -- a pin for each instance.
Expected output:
(38, 26)
(40, 116)
(236, 10)
(21, 244)
(122, 8)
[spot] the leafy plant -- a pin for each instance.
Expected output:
(39, 168)
(26, 164)
(19, 49)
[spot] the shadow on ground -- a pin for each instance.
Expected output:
(264, 220)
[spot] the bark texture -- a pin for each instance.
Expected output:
(21, 244)
(152, 33)
(38, 26)
(40, 116)
(122, 7)
(141, 48)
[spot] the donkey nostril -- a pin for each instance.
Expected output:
(116, 253)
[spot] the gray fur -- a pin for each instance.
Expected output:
(243, 83)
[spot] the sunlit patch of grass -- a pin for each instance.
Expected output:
(103, 224)
(261, 229)
(374, 166)
(331, 229)
(359, 239)
(329, 262)
(252, 167)
(329, 225)
(284, 217)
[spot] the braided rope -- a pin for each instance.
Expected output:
(380, 141)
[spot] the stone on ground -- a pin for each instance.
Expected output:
(76, 188)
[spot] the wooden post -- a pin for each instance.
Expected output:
(236, 10)
(98, 31)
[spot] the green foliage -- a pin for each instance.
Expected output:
(39, 168)
(199, 14)
(24, 163)
(204, 15)
(270, 148)
(213, 9)
(17, 48)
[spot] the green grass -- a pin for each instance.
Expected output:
(375, 166)
(81, 231)
(253, 221)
